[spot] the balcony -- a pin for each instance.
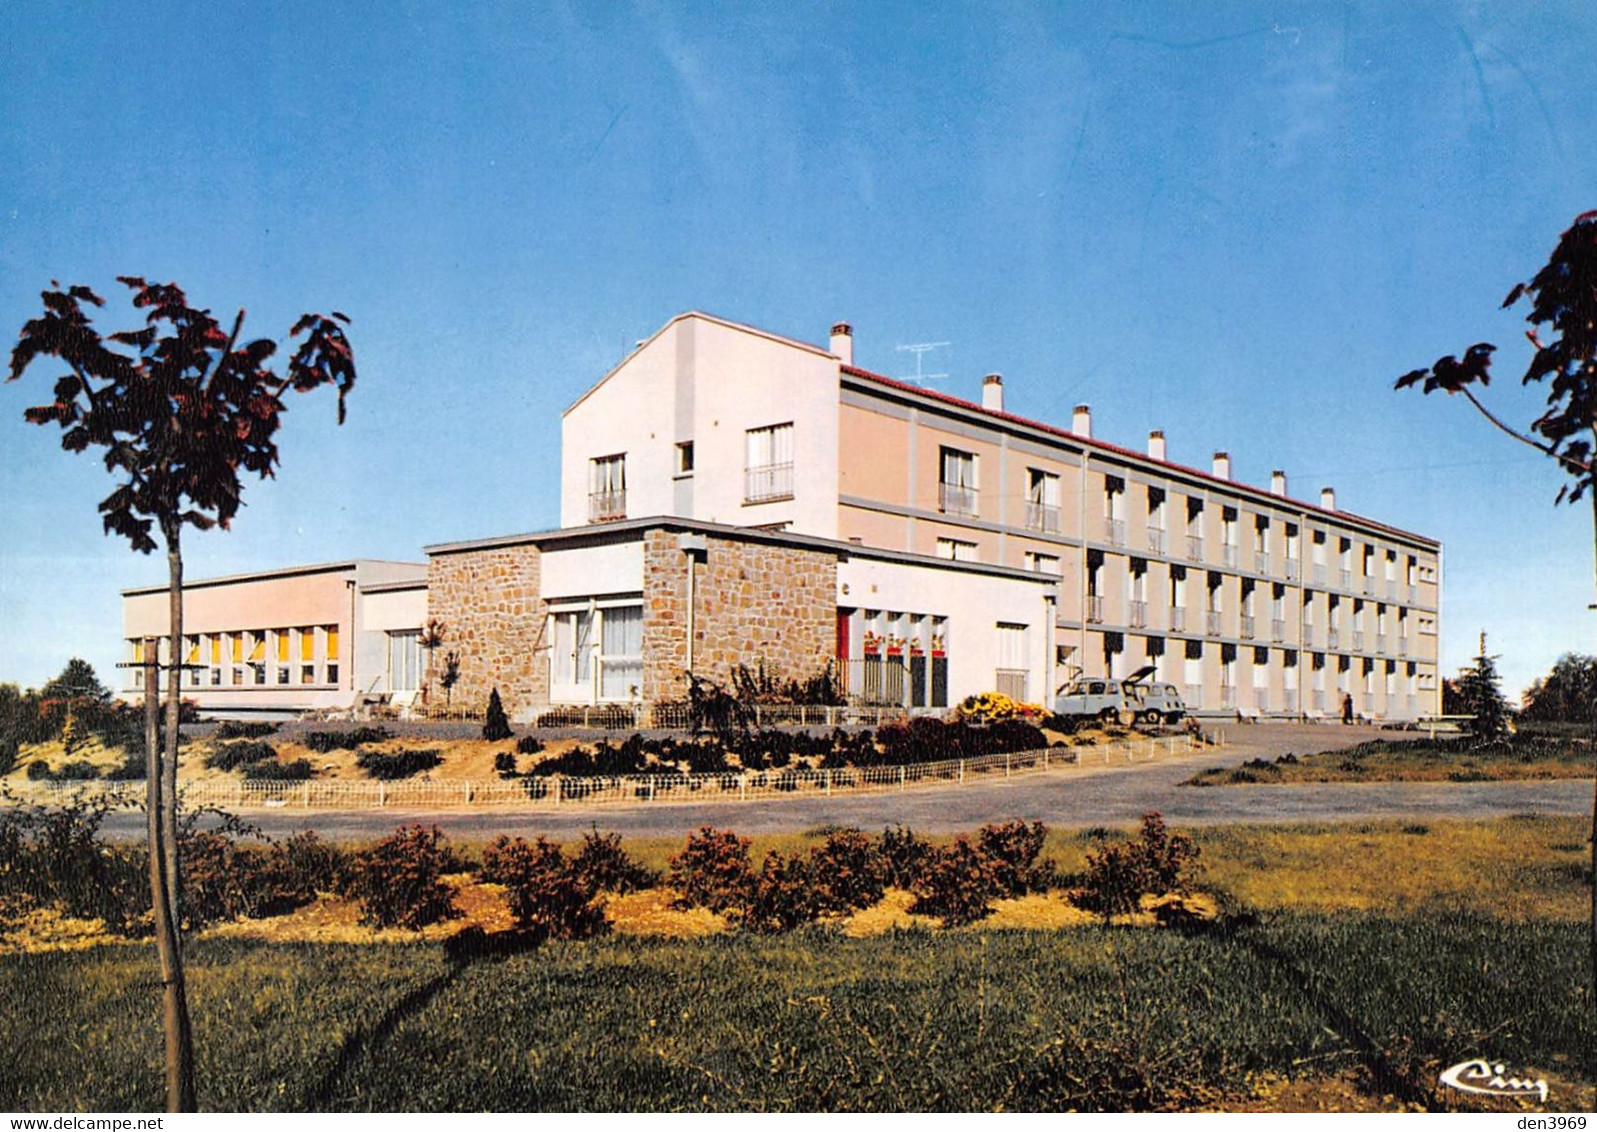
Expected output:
(1178, 619)
(1095, 609)
(1261, 700)
(1192, 696)
(1344, 578)
(1291, 571)
(1115, 531)
(1317, 697)
(1211, 623)
(954, 499)
(1289, 701)
(1246, 629)
(768, 483)
(1228, 695)
(1137, 614)
(1319, 573)
(1308, 635)
(1402, 646)
(1277, 629)
(1195, 547)
(1333, 639)
(607, 506)
(1413, 595)
(1156, 540)
(1391, 588)
(1358, 640)
(1228, 553)
(1261, 563)
(1042, 517)
(1380, 642)
(1012, 683)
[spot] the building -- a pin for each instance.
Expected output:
(729, 495)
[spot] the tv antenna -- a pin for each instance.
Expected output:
(920, 350)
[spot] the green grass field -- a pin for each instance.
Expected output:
(1533, 754)
(1447, 942)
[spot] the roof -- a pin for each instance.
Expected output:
(1131, 455)
(281, 572)
(727, 323)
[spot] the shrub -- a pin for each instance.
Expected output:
(399, 882)
(8, 754)
(496, 724)
(77, 771)
(955, 884)
(505, 764)
(399, 764)
(1011, 851)
(713, 871)
(223, 880)
(1119, 875)
(546, 893)
(319, 866)
(903, 855)
(231, 756)
(847, 872)
(608, 868)
(244, 729)
(990, 707)
(38, 769)
(783, 895)
(132, 768)
(53, 855)
(324, 741)
(528, 745)
(296, 770)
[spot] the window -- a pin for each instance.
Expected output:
(607, 488)
(1114, 510)
(956, 490)
(768, 468)
(307, 655)
(572, 652)
(257, 657)
(1012, 666)
(1042, 563)
(621, 652)
(685, 458)
(191, 661)
(330, 635)
(1042, 500)
(956, 550)
(404, 660)
(282, 655)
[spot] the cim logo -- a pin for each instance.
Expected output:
(1487, 1079)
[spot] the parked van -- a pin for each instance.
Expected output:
(1128, 701)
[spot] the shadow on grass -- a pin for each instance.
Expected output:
(472, 945)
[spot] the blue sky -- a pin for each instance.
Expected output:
(1239, 223)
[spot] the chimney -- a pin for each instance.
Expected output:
(1328, 498)
(1222, 465)
(1156, 444)
(992, 392)
(1081, 421)
(1278, 482)
(843, 342)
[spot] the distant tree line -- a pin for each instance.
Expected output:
(1566, 694)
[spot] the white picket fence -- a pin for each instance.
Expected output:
(555, 791)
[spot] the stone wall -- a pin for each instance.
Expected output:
(494, 616)
(754, 601)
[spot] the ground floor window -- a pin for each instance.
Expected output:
(596, 652)
(890, 658)
(404, 660)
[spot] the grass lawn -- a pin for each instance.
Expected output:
(1375, 955)
(1461, 759)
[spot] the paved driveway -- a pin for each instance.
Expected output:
(1076, 797)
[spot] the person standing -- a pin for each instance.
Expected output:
(1347, 707)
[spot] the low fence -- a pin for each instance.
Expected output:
(553, 791)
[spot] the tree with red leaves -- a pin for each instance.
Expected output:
(1563, 299)
(182, 408)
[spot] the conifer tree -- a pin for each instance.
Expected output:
(1482, 698)
(496, 727)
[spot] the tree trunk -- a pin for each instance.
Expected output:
(179, 1039)
(174, 997)
(1593, 495)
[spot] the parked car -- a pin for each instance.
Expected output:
(1125, 702)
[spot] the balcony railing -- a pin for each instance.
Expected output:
(1358, 640)
(1115, 531)
(1277, 629)
(1095, 609)
(1413, 595)
(1391, 588)
(1228, 695)
(1012, 683)
(1195, 547)
(1319, 573)
(1317, 697)
(1289, 700)
(1261, 563)
(1228, 553)
(1333, 639)
(1178, 619)
(1041, 517)
(1291, 570)
(1192, 696)
(768, 483)
(1137, 614)
(1380, 642)
(1261, 699)
(1211, 622)
(1156, 539)
(955, 499)
(1402, 646)
(607, 506)
(1308, 634)
(1246, 629)
(1345, 579)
